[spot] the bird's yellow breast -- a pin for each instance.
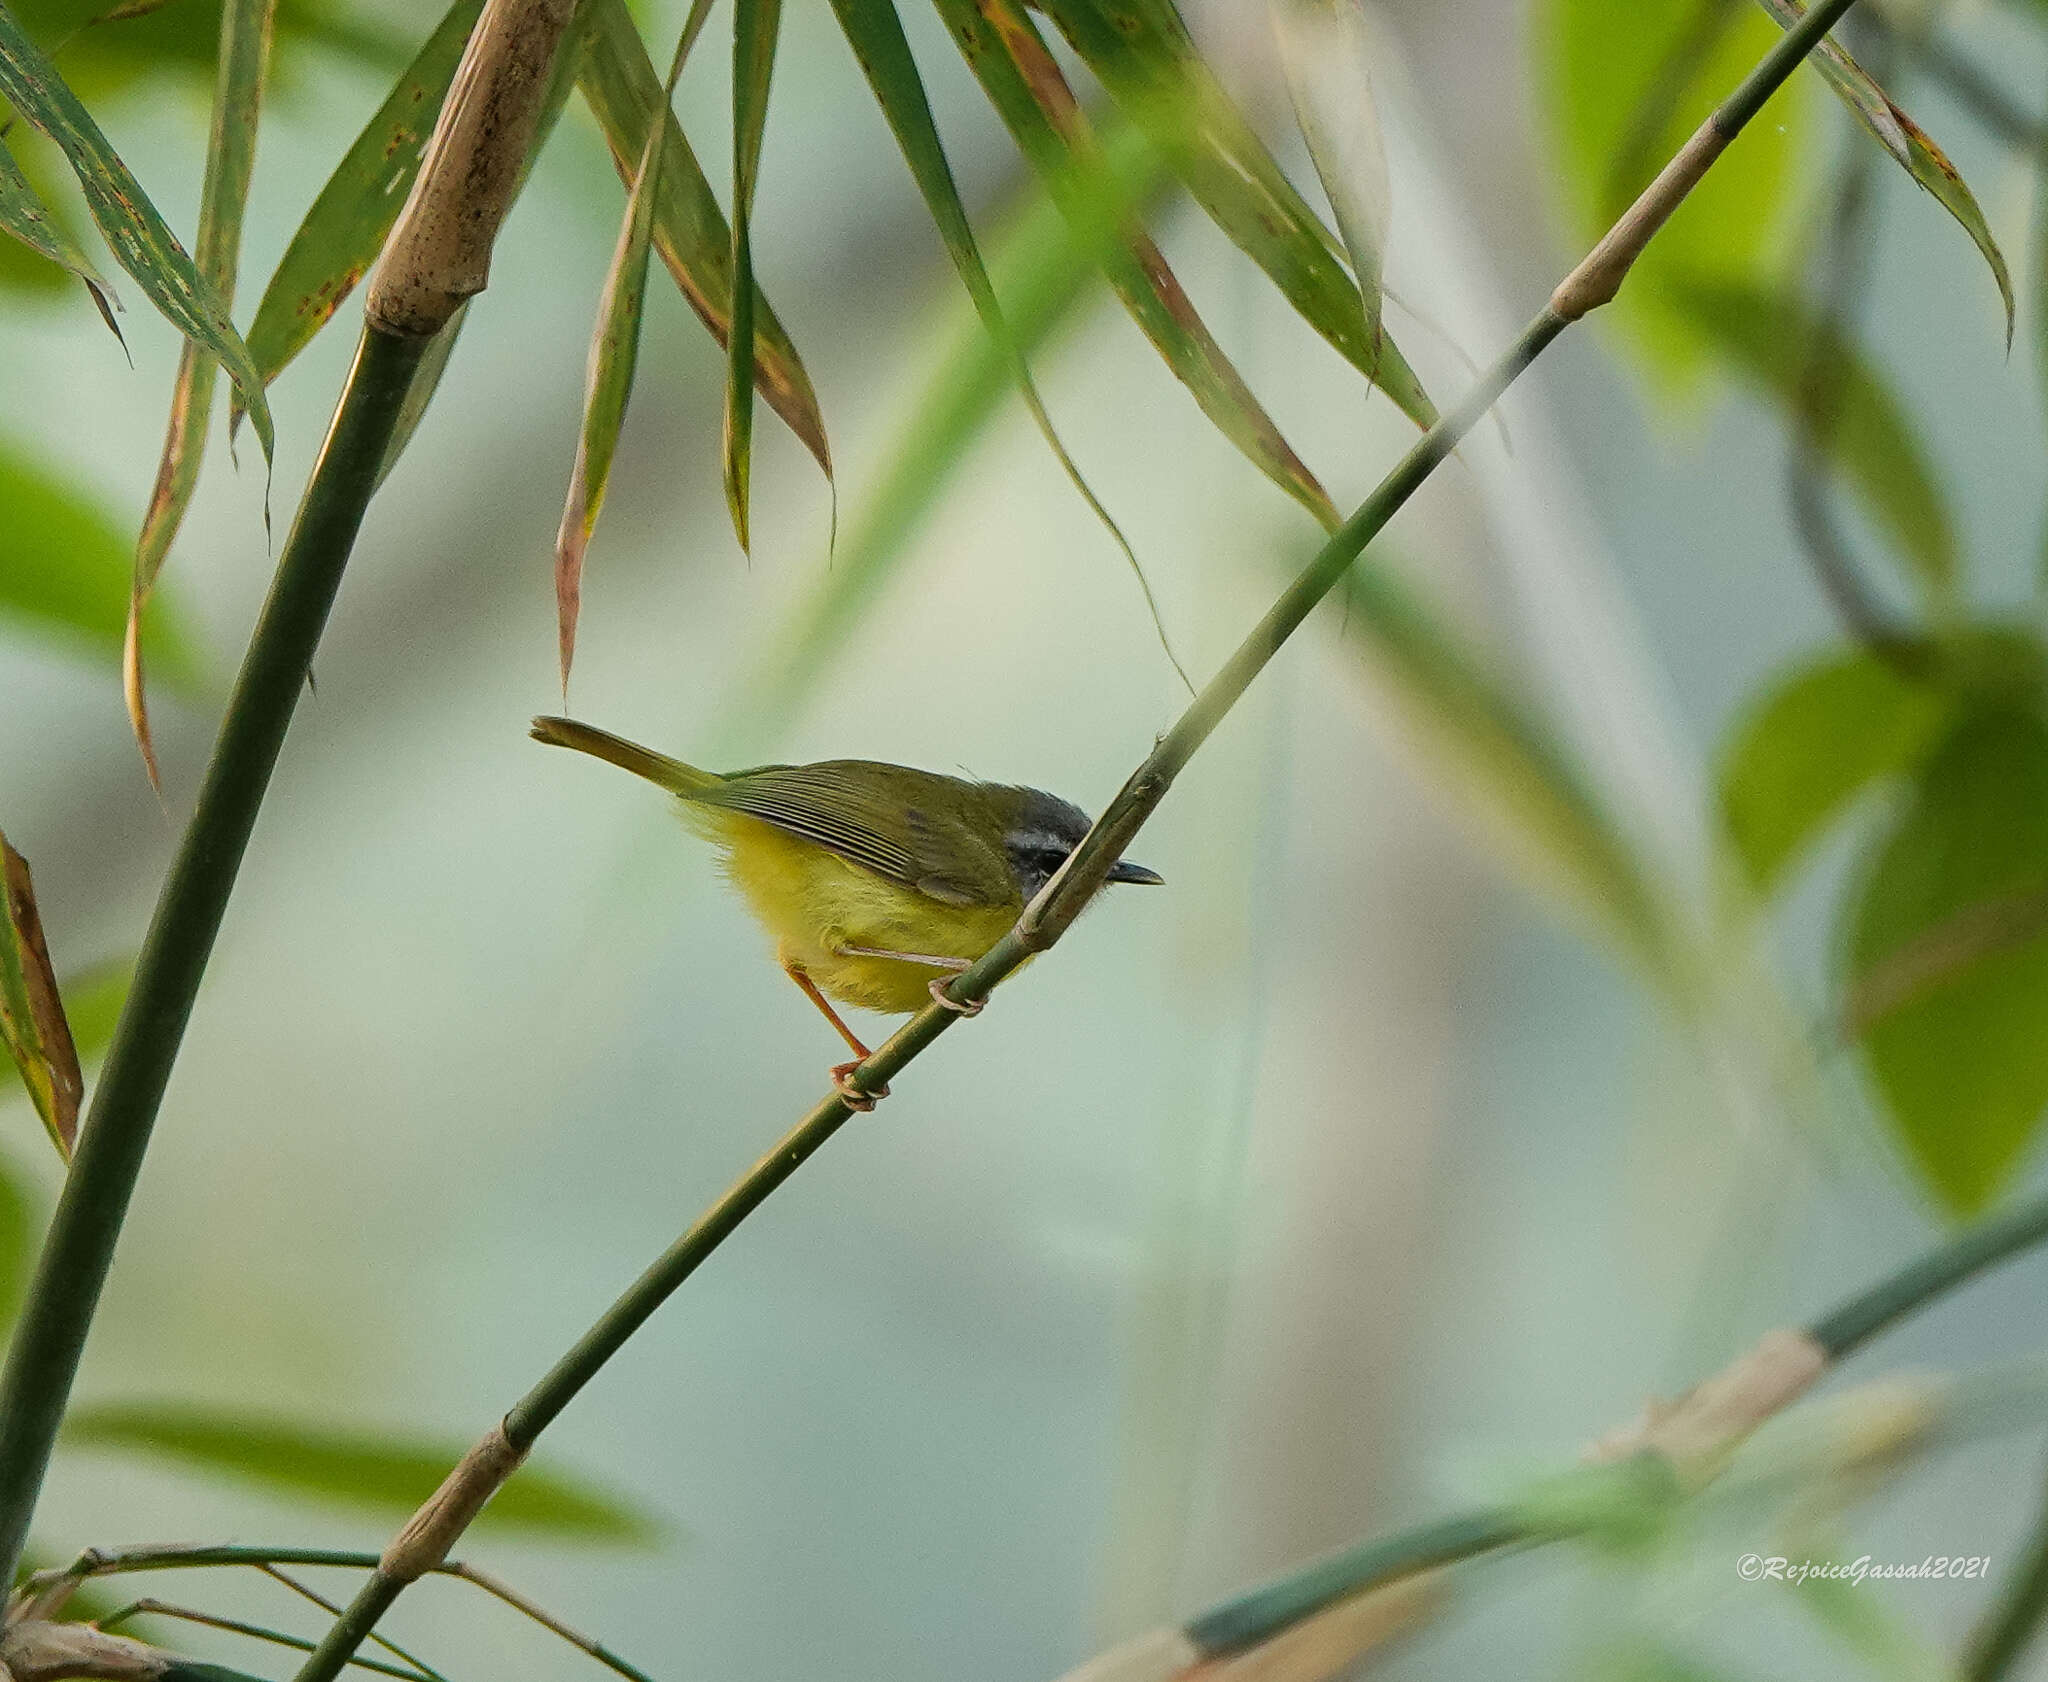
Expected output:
(816, 904)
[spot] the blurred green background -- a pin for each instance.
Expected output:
(1336, 1184)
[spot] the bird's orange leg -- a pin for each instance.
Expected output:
(859, 1097)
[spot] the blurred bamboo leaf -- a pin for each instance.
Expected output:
(623, 90)
(230, 160)
(1023, 81)
(875, 33)
(1507, 768)
(32, 1024)
(1772, 341)
(64, 566)
(426, 380)
(92, 1002)
(137, 235)
(614, 353)
(387, 1474)
(352, 216)
(1948, 958)
(1888, 1647)
(1140, 51)
(755, 27)
(1624, 82)
(17, 1240)
(28, 219)
(1817, 739)
(1908, 143)
(1325, 51)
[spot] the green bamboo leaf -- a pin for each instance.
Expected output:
(382, 1473)
(245, 27)
(755, 26)
(614, 354)
(1817, 739)
(28, 219)
(1140, 51)
(1771, 341)
(875, 33)
(620, 84)
(1023, 81)
(92, 1003)
(17, 1240)
(32, 1025)
(1947, 961)
(137, 235)
(348, 222)
(1908, 144)
(1325, 51)
(1507, 769)
(1623, 83)
(65, 567)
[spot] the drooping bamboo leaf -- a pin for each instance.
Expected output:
(28, 219)
(875, 33)
(1041, 262)
(1023, 81)
(1623, 83)
(1326, 54)
(383, 1473)
(1771, 341)
(141, 241)
(32, 1024)
(1140, 51)
(352, 216)
(1818, 739)
(230, 160)
(64, 567)
(614, 354)
(623, 90)
(756, 24)
(1947, 981)
(1908, 144)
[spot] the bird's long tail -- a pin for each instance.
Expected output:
(657, 768)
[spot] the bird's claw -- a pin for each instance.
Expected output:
(851, 1093)
(972, 1007)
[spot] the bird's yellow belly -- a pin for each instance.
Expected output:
(816, 904)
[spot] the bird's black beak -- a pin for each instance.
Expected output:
(1125, 871)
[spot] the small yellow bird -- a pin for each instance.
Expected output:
(877, 881)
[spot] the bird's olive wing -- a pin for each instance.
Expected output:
(880, 817)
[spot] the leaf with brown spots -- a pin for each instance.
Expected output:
(346, 227)
(1908, 143)
(24, 215)
(141, 241)
(619, 82)
(230, 160)
(1023, 81)
(31, 1013)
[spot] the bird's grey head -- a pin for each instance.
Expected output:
(1046, 830)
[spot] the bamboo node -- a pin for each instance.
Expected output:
(428, 1535)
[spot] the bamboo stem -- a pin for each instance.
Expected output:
(42, 1359)
(1053, 911)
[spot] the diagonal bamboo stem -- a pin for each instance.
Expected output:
(1595, 281)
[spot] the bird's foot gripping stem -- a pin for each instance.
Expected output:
(939, 984)
(851, 1092)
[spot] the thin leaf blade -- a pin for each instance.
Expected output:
(32, 1024)
(140, 239)
(24, 215)
(352, 1469)
(1023, 81)
(623, 90)
(245, 30)
(756, 25)
(1909, 145)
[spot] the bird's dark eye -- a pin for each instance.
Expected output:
(1035, 866)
